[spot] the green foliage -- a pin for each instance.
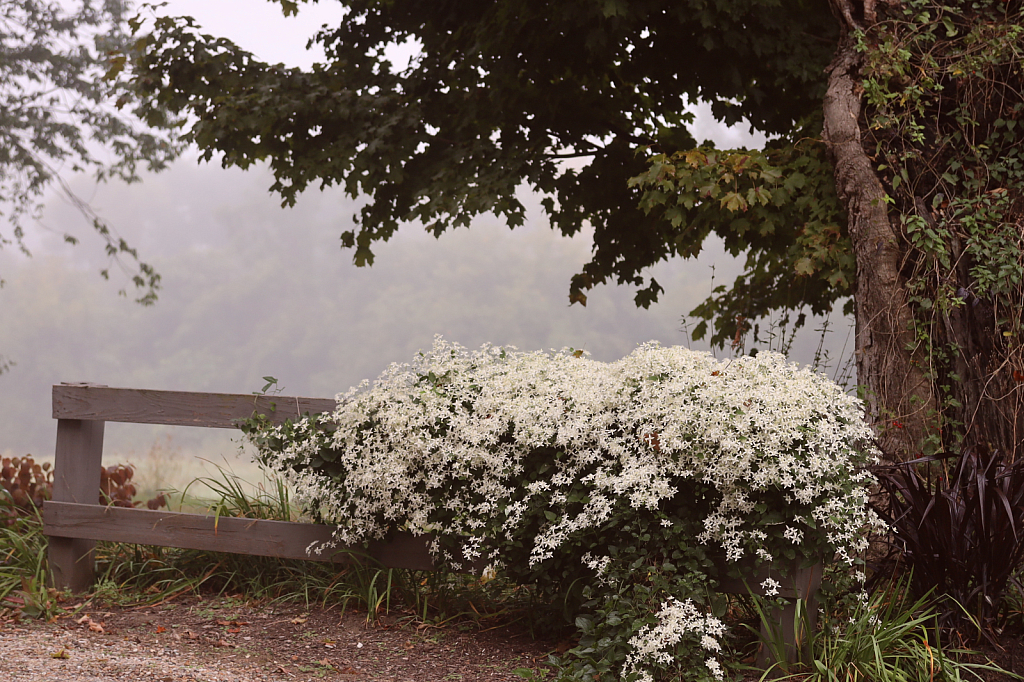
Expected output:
(885, 637)
(270, 501)
(59, 112)
(778, 206)
(942, 82)
(643, 574)
(500, 95)
(23, 567)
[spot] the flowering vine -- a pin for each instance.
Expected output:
(553, 467)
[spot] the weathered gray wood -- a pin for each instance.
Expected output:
(76, 479)
(176, 408)
(799, 583)
(224, 534)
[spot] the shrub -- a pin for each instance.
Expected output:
(618, 489)
(25, 486)
(28, 485)
(958, 528)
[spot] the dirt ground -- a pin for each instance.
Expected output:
(197, 639)
(227, 639)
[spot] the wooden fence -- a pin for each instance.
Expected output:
(74, 519)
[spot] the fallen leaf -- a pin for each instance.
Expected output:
(222, 643)
(191, 635)
(90, 623)
(160, 628)
(234, 630)
(299, 620)
(59, 654)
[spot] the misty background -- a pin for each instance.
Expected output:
(251, 289)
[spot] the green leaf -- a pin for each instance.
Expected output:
(805, 267)
(732, 201)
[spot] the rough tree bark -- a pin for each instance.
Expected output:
(899, 396)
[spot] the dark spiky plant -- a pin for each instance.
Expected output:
(958, 524)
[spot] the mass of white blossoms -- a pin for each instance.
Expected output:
(677, 621)
(438, 445)
(482, 444)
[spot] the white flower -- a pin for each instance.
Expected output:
(676, 621)
(598, 565)
(794, 535)
(440, 446)
(710, 643)
(771, 587)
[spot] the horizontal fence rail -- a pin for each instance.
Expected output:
(88, 402)
(256, 537)
(74, 520)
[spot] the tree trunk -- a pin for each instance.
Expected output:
(899, 396)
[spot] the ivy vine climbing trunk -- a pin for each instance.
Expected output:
(923, 122)
(898, 394)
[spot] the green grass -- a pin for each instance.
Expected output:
(158, 573)
(138, 574)
(23, 567)
(885, 638)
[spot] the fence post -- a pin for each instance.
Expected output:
(77, 462)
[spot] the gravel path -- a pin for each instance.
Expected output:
(227, 641)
